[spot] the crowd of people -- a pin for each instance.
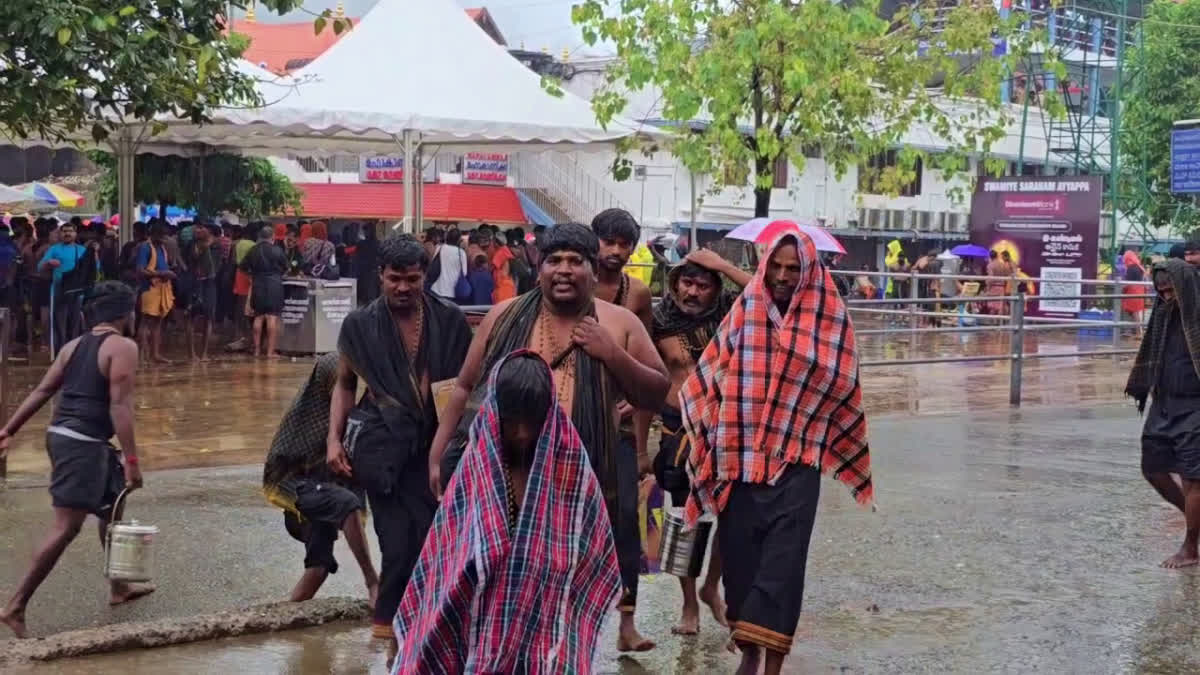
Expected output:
(501, 466)
(198, 277)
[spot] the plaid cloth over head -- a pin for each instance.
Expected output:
(775, 389)
(484, 599)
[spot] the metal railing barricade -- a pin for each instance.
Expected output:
(1016, 323)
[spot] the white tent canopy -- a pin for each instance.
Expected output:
(409, 73)
(421, 67)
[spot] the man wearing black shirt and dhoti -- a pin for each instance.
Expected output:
(600, 353)
(400, 345)
(1167, 370)
(684, 323)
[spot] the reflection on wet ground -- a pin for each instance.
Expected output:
(1021, 541)
(225, 412)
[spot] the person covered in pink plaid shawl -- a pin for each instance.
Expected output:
(519, 568)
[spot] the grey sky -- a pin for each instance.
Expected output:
(537, 23)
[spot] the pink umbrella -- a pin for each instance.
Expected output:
(764, 230)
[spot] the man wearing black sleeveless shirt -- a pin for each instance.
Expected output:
(93, 376)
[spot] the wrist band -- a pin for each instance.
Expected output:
(131, 459)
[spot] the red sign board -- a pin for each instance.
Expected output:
(485, 168)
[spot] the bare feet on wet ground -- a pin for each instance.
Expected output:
(15, 620)
(123, 593)
(1185, 557)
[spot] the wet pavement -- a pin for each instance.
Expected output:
(225, 412)
(1005, 542)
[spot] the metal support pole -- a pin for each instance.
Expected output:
(912, 306)
(1051, 38)
(1017, 350)
(1114, 162)
(1094, 75)
(692, 245)
(409, 196)
(419, 188)
(1116, 314)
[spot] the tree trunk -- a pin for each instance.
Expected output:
(762, 196)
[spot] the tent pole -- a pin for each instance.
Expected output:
(409, 196)
(419, 187)
(125, 152)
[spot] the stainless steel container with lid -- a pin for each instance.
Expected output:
(129, 551)
(681, 552)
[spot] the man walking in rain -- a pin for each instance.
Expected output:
(774, 403)
(600, 353)
(684, 323)
(519, 568)
(1167, 370)
(401, 345)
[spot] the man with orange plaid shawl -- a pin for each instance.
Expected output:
(519, 567)
(774, 403)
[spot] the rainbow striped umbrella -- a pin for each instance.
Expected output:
(10, 195)
(52, 194)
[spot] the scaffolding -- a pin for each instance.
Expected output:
(1092, 40)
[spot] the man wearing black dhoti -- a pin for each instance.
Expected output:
(400, 345)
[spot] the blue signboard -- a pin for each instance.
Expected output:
(1185, 160)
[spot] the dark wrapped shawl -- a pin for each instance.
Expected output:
(298, 448)
(1147, 367)
(670, 319)
(399, 422)
(596, 393)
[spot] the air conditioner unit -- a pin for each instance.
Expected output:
(873, 219)
(960, 222)
(925, 220)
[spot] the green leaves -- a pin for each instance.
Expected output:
(137, 60)
(1162, 87)
(210, 184)
(745, 83)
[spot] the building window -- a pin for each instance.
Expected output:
(1027, 169)
(870, 174)
(779, 173)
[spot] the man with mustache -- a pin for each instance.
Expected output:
(774, 402)
(600, 353)
(684, 323)
(400, 345)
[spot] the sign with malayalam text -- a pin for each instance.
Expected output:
(485, 168)
(1185, 160)
(383, 169)
(1050, 227)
